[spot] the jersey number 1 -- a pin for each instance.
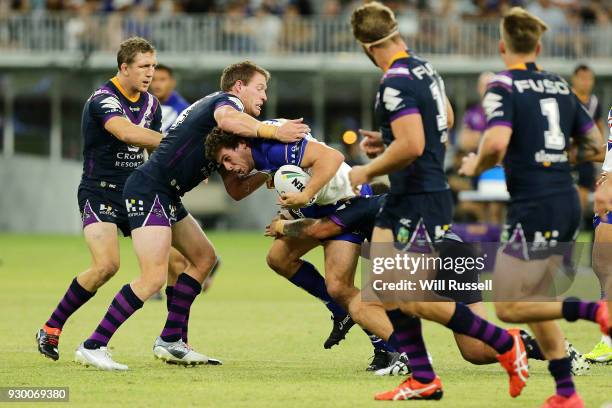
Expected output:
(437, 92)
(553, 137)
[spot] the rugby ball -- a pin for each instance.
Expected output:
(291, 179)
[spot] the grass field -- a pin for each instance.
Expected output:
(268, 333)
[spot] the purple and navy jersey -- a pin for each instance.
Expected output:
(593, 107)
(543, 114)
(106, 158)
(180, 159)
(475, 118)
(412, 86)
(171, 109)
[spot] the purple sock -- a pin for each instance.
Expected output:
(183, 295)
(121, 308)
(184, 332)
(574, 309)
(464, 321)
(75, 297)
(408, 338)
(308, 278)
(561, 372)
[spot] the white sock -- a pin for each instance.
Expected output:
(606, 340)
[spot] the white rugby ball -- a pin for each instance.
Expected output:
(291, 179)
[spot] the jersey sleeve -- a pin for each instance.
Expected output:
(229, 100)
(398, 99)
(280, 154)
(497, 102)
(582, 120)
(156, 124)
(104, 107)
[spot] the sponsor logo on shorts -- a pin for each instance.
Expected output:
(107, 210)
(134, 207)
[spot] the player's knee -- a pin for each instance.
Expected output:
(277, 263)
(206, 263)
(106, 269)
(337, 289)
(506, 312)
(474, 353)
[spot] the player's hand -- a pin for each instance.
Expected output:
(274, 229)
(293, 200)
(602, 203)
(358, 176)
(371, 144)
(468, 165)
(292, 130)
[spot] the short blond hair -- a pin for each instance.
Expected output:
(521, 31)
(241, 71)
(131, 47)
(373, 22)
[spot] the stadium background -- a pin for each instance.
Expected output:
(54, 53)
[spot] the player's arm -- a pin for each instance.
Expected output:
(589, 147)
(304, 228)
(132, 134)
(497, 103)
(491, 151)
(450, 114)
(323, 162)
(233, 121)
(407, 146)
(240, 187)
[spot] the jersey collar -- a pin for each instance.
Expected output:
(115, 82)
(525, 66)
(397, 56)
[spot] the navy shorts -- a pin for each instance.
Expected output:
(149, 203)
(359, 214)
(542, 227)
(417, 220)
(102, 202)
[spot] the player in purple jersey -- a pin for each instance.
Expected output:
(120, 120)
(157, 218)
(531, 116)
(415, 115)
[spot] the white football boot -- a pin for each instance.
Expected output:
(99, 358)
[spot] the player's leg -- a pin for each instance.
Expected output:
(521, 277)
(551, 340)
(189, 239)
(341, 258)
(602, 265)
(103, 244)
(151, 245)
(284, 258)
(406, 337)
(176, 265)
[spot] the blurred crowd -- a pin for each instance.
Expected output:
(431, 26)
(556, 13)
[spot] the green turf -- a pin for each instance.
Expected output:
(268, 333)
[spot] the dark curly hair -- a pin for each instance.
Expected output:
(218, 139)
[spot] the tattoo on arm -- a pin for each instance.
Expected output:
(297, 228)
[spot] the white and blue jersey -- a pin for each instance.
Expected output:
(171, 108)
(270, 155)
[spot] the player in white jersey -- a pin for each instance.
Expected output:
(329, 182)
(602, 256)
